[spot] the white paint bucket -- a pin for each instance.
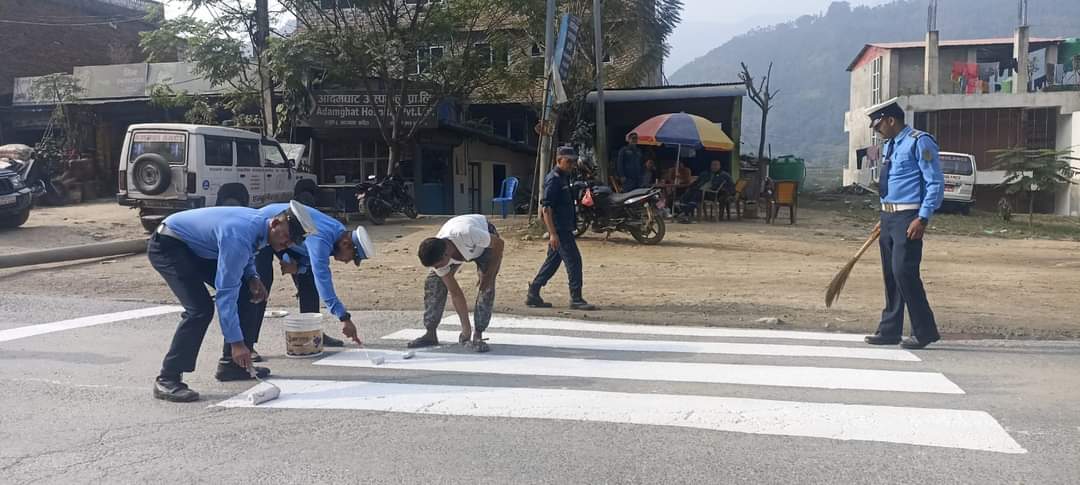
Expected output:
(303, 335)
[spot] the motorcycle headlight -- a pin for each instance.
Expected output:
(17, 182)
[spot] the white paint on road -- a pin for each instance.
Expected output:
(44, 328)
(949, 428)
(558, 341)
(753, 375)
(509, 322)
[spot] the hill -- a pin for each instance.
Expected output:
(810, 55)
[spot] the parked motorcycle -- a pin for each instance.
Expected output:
(39, 179)
(636, 212)
(382, 198)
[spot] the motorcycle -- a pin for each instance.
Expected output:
(636, 212)
(381, 198)
(40, 181)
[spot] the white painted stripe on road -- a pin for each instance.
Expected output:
(559, 341)
(949, 428)
(509, 322)
(40, 329)
(753, 375)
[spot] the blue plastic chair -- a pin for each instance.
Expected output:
(509, 187)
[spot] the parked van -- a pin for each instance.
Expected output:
(168, 167)
(959, 170)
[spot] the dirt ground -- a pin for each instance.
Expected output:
(724, 274)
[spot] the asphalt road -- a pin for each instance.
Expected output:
(76, 407)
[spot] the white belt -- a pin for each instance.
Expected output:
(165, 231)
(900, 207)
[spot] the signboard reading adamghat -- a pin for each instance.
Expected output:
(361, 109)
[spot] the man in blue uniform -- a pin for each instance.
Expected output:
(911, 186)
(309, 263)
(629, 164)
(561, 220)
(214, 246)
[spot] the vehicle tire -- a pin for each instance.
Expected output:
(150, 174)
(582, 224)
(965, 209)
(150, 223)
(231, 202)
(375, 212)
(410, 211)
(13, 221)
(652, 234)
(307, 198)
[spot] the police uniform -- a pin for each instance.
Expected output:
(911, 187)
(559, 198)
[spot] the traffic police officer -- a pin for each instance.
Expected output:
(561, 220)
(309, 263)
(911, 186)
(214, 246)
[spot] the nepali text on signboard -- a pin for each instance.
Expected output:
(363, 109)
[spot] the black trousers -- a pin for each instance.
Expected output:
(306, 291)
(900, 260)
(188, 276)
(568, 254)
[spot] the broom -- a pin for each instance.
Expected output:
(838, 281)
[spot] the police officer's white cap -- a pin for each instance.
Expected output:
(365, 249)
(303, 216)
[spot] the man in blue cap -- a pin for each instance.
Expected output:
(560, 217)
(911, 186)
(214, 246)
(309, 263)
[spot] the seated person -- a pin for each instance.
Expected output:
(713, 180)
(648, 176)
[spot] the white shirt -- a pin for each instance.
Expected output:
(469, 234)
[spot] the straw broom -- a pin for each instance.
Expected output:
(838, 281)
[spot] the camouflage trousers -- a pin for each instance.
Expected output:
(435, 292)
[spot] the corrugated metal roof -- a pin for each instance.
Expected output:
(725, 90)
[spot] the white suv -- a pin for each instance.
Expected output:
(168, 167)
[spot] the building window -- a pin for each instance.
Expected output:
(484, 53)
(330, 4)
(875, 82)
(426, 57)
(536, 51)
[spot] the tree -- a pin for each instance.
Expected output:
(1034, 170)
(762, 95)
(60, 90)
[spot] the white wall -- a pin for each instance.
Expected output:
(1068, 138)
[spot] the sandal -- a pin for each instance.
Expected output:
(423, 341)
(478, 346)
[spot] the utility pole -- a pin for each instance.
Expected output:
(543, 157)
(601, 118)
(266, 84)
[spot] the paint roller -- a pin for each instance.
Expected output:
(265, 392)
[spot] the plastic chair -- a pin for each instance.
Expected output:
(509, 188)
(739, 197)
(786, 195)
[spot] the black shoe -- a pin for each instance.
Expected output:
(581, 304)
(533, 299)
(915, 344)
(329, 341)
(255, 357)
(229, 371)
(423, 341)
(173, 390)
(878, 339)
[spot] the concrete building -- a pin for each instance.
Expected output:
(974, 96)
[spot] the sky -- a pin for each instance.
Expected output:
(707, 24)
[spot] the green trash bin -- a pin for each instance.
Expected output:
(788, 167)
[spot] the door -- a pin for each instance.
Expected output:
(475, 177)
(279, 178)
(433, 196)
(250, 170)
(498, 175)
(218, 167)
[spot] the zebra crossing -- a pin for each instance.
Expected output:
(656, 355)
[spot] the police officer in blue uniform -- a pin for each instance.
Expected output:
(214, 246)
(560, 218)
(911, 186)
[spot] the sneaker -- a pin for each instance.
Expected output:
(878, 339)
(229, 371)
(329, 341)
(581, 304)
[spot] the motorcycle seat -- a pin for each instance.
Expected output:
(623, 197)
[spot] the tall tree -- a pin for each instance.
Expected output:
(1029, 171)
(762, 95)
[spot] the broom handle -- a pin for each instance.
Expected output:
(866, 245)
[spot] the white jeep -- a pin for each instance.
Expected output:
(169, 167)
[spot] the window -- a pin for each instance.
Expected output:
(427, 57)
(875, 82)
(272, 156)
(329, 4)
(171, 146)
(515, 130)
(536, 51)
(484, 53)
(218, 151)
(247, 154)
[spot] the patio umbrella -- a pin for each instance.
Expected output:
(682, 129)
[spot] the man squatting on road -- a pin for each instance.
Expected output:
(214, 246)
(911, 187)
(309, 264)
(460, 240)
